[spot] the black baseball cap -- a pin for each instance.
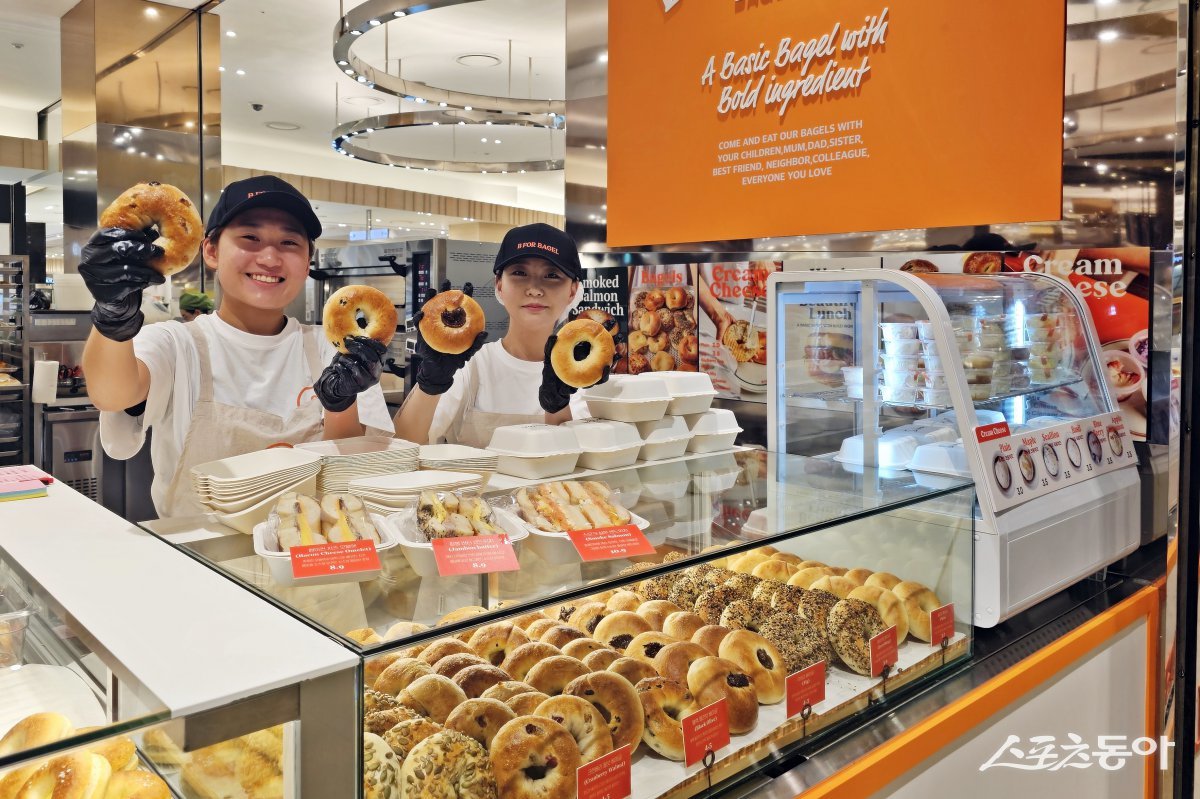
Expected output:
(263, 191)
(540, 240)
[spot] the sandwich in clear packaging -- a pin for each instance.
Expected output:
(449, 514)
(552, 509)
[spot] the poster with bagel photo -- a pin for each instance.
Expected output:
(662, 320)
(732, 300)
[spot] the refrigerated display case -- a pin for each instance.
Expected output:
(721, 528)
(995, 378)
(15, 371)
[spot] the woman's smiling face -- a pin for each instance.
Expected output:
(533, 289)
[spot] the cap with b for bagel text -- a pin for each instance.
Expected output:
(263, 191)
(540, 240)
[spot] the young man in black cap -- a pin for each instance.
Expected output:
(505, 382)
(232, 382)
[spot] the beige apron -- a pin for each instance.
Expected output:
(473, 428)
(222, 431)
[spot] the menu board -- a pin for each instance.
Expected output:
(1025, 465)
(791, 117)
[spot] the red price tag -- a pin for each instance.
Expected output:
(609, 543)
(883, 651)
(704, 730)
(605, 777)
(324, 560)
(477, 554)
(987, 432)
(805, 686)
(941, 624)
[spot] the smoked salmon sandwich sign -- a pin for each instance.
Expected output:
(733, 119)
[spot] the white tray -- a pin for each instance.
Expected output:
(420, 553)
(280, 563)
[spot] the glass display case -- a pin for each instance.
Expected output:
(14, 372)
(991, 377)
(748, 556)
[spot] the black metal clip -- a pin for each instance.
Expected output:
(945, 646)
(805, 714)
(710, 757)
(883, 674)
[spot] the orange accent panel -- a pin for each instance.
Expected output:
(940, 113)
(892, 760)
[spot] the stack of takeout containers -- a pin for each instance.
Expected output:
(386, 494)
(691, 392)
(606, 444)
(712, 431)
(1050, 336)
(535, 451)
(349, 459)
(629, 398)
(459, 458)
(243, 489)
(664, 438)
(900, 377)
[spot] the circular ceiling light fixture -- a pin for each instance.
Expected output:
(349, 139)
(365, 100)
(374, 14)
(478, 60)
(282, 126)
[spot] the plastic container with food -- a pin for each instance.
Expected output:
(894, 363)
(1019, 352)
(902, 378)
(977, 359)
(402, 525)
(851, 375)
(1055, 334)
(898, 331)
(628, 398)
(969, 339)
(934, 379)
(934, 396)
(962, 322)
(606, 444)
(1043, 320)
(556, 547)
(266, 546)
(906, 346)
(1001, 384)
(898, 394)
(713, 431)
(663, 438)
(15, 611)
(1002, 355)
(978, 376)
(535, 451)
(926, 329)
(1046, 360)
(997, 324)
(691, 392)
(981, 391)
(929, 347)
(932, 361)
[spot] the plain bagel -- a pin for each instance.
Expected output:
(583, 350)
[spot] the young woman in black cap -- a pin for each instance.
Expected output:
(232, 382)
(505, 382)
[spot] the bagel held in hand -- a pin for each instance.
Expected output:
(165, 207)
(583, 352)
(450, 321)
(358, 311)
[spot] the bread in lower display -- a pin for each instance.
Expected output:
(535, 757)
(402, 673)
(433, 696)
(758, 658)
(713, 678)
(450, 515)
(161, 749)
(615, 699)
(248, 767)
(136, 785)
(407, 734)
(495, 642)
(380, 722)
(81, 775)
(481, 719)
(552, 674)
(448, 765)
(664, 703)
(581, 719)
(564, 505)
(852, 624)
(381, 769)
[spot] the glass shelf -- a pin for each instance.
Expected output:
(831, 398)
(696, 508)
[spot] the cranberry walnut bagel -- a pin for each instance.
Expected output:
(161, 206)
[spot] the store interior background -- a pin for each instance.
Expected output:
(1119, 150)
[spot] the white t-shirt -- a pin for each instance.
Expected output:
(507, 384)
(265, 373)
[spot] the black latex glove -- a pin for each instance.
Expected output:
(348, 374)
(554, 394)
(435, 370)
(115, 269)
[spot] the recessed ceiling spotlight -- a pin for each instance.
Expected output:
(343, 63)
(484, 140)
(240, 72)
(361, 79)
(441, 105)
(375, 23)
(603, 57)
(283, 126)
(158, 157)
(220, 69)
(436, 123)
(495, 141)
(231, 34)
(468, 108)
(362, 99)
(1108, 35)
(131, 150)
(136, 131)
(398, 13)
(477, 60)
(151, 12)
(348, 71)
(189, 124)
(1140, 139)
(356, 33)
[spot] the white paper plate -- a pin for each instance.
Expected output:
(252, 465)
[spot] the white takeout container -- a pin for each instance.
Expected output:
(628, 398)
(280, 563)
(894, 450)
(941, 457)
(712, 475)
(691, 392)
(713, 430)
(665, 481)
(606, 444)
(420, 553)
(663, 438)
(537, 467)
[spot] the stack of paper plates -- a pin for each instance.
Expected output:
(389, 493)
(233, 484)
(350, 459)
(458, 458)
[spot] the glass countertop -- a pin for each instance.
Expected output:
(697, 509)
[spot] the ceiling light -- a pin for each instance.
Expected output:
(231, 34)
(495, 141)
(1170, 136)
(603, 59)
(343, 63)
(151, 12)
(1101, 168)
(158, 157)
(135, 131)
(348, 71)
(375, 23)
(189, 124)
(341, 224)
(240, 72)
(49, 208)
(283, 126)
(436, 123)
(397, 13)
(1107, 35)
(441, 105)
(220, 69)
(477, 60)
(131, 150)
(1140, 139)
(356, 33)
(468, 108)
(484, 140)
(361, 79)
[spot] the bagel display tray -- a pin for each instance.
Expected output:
(528, 700)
